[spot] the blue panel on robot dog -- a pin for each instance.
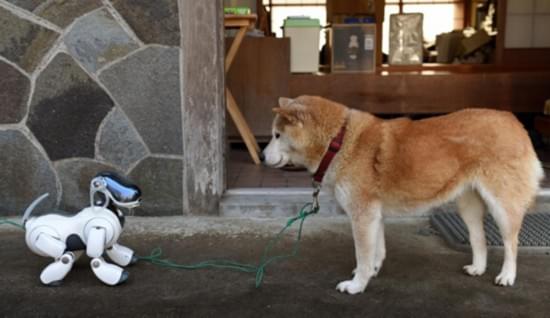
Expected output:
(74, 243)
(121, 189)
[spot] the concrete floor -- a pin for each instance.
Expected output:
(421, 277)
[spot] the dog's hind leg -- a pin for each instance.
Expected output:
(472, 209)
(509, 230)
(508, 213)
(380, 249)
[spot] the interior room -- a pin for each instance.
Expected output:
(415, 58)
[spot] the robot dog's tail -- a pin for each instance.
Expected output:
(31, 207)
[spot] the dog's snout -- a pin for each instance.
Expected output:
(262, 156)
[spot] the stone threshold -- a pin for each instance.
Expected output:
(286, 202)
(273, 202)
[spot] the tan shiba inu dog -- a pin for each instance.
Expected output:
(481, 158)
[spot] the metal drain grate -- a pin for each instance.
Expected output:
(535, 232)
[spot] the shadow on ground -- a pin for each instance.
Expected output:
(420, 278)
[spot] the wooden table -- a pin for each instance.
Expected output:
(244, 23)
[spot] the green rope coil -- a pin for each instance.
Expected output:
(308, 209)
(6, 221)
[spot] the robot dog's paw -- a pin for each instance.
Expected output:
(123, 277)
(134, 260)
(56, 283)
(110, 274)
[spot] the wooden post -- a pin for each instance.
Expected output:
(203, 104)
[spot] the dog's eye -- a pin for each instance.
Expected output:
(277, 135)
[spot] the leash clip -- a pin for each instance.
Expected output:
(316, 192)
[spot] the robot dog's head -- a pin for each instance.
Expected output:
(108, 187)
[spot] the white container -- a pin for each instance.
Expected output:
(304, 36)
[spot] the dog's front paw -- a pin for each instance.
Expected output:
(505, 279)
(375, 270)
(351, 287)
(377, 267)
(473, 270)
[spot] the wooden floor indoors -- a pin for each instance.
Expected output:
(243, 173)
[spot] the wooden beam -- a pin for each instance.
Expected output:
(203, 106)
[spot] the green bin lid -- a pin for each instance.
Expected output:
(236, 10)
(301, 23)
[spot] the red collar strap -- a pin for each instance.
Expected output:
(333, 148)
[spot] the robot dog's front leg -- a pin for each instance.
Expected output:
(54, 273)
(95, 246)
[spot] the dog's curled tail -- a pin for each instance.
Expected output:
(31, 207)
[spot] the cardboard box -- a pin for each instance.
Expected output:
(476, 41)
(448, 46)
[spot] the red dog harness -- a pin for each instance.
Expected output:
(333, 148)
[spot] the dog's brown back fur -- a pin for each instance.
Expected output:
(409, 163)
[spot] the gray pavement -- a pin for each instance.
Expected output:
(421, 276)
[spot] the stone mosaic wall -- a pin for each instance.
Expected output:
(85, 86)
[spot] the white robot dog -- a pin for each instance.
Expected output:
(95, 229)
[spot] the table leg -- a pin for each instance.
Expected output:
(234, 48)
(242, 126)
(233, 108)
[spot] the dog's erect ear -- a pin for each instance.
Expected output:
(285, 101)
(293, 115)
(290, 110)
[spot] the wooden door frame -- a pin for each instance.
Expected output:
(202, 83)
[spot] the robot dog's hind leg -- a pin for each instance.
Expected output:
(121, 255)
(54, 273)
(95, 246)
(110, 274)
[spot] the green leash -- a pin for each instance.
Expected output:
(6, 221)
(308, 209)
(155, 256)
